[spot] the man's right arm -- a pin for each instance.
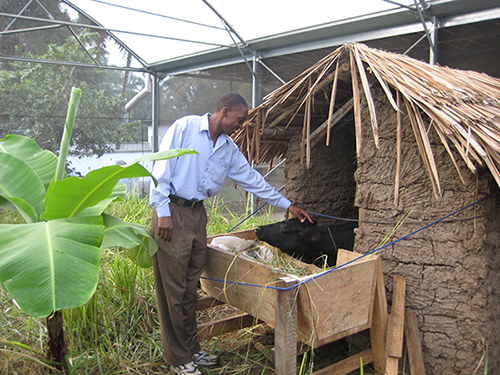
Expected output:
(165, 228)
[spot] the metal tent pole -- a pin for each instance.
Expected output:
(433, 55)
(155, 118)
(255, 103)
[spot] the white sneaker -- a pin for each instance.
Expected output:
(186, 369)
(203, 358)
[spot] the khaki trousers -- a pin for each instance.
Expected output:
(177, 267)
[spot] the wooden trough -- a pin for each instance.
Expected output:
(325, 307)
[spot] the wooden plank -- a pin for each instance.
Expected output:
(392, 366)
(339, 335)
(323, 313)
(247, 234)
(337, 302)
(285, 330)
(395, 327)
(234, 323)
(347, 365)
(296, 263)
(241, 282)
(413, 344)
(379, 322)
(268, 353)
(345, 256)
(322, 130)
(301, 349)
(207, 302)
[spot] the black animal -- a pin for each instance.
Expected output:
(308, 242)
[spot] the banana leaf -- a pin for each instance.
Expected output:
(49, 266)
(134, 238)
(68, 197)
(21, 187)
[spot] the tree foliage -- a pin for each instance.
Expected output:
(35, 42)
(31, 106)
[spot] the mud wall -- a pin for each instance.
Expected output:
(328, 186)
(451, 268)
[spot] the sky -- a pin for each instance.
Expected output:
(251, 20)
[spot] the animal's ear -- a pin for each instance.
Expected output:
(311, 235)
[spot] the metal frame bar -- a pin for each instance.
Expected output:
(158, 15)
(228, 26)
(421, 16)
(21, 12)
(66, 23)
(230, 30)
(113, 36)
(271, 71)
(37, 28)
(70, 63)
(399, 4)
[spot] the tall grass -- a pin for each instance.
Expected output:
(117, 331)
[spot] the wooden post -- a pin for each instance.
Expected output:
(285, 329)
(395, 328)
(378, 328)
(413, 344)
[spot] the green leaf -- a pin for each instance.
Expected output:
(74, 101)
(21, 186)
(43, 162)
(68, 197)
(49, 266)
(140, 255)
(119, 193)
(167, 154)
(137, 241)
(27, 211)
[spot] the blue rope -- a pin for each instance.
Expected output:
(249, 216)
(354, 260)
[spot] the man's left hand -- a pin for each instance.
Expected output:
(299, 213)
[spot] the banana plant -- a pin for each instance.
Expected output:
(51, 262)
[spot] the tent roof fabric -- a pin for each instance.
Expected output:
(463, 106)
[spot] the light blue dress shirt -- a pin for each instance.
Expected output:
(199, 176)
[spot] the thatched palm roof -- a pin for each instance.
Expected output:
(463, 108)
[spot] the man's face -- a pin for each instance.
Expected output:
(233, 118)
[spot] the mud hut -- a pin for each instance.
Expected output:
(399, 144)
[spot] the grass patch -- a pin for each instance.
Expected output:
(117, 331)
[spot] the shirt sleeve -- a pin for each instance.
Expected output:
(252, 181)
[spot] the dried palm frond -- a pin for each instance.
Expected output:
(463, 108)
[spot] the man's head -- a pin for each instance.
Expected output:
(233, 110)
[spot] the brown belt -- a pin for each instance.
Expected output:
(185, 202)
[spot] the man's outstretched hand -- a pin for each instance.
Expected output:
(299, 213)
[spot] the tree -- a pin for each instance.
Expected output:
(35, 42)
(31, 106)
(52, 262)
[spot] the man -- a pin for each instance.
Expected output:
(179, 219)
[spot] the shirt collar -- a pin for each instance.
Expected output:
(223, 137)
(204, 122)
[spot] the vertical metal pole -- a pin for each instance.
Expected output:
(255, 82)
(434, 37)
(255, 103)
(155, 117)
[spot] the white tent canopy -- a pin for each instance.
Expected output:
(158, 30)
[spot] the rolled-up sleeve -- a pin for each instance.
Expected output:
(252, 181)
